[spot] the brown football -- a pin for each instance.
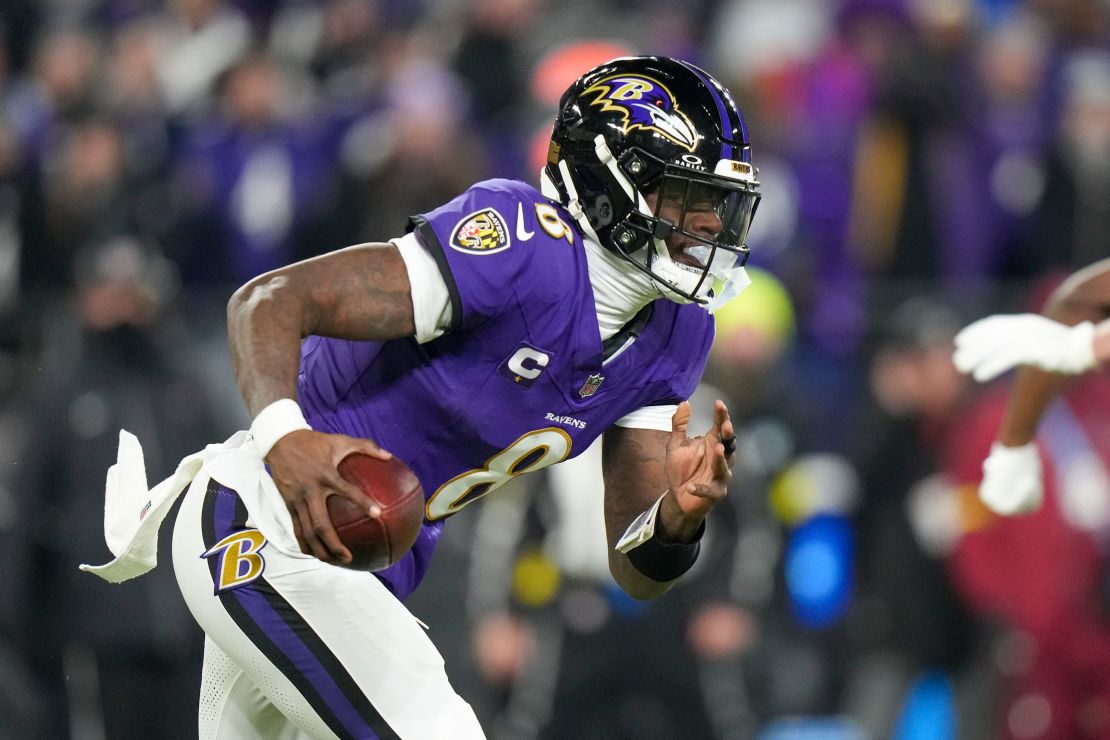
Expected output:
(377, 543)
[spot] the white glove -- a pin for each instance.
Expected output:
(1012, 479)
(991, 346)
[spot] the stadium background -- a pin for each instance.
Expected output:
(924, 162)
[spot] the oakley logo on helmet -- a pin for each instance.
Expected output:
(644, 103)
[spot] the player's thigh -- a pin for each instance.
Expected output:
(385, 649)
(241, 684)
(347, 646)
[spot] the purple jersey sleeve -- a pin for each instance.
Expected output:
(683, 354)
(472, 239)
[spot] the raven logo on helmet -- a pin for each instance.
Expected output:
(645, 103)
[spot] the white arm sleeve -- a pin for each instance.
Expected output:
(649, 417)
(431, 303)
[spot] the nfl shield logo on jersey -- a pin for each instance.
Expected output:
(591, 385)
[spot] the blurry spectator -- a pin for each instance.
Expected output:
(138, 107)
(728, 633)
(61, 87)
(420, 148)
(87, 197)
(136, 100)
(337, 40)
(202, 39)
(790, 504)
(18, 205)
(119, 361)
(487, 59)
(492, 62)
(255, 184)
(1015, 131)
(951, 163)
(1075, 214)
(804, 656)
(812, 72)
(132, 74)
(908, 621)
(19, 19)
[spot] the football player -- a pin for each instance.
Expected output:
(504, 333)
(1072, 337)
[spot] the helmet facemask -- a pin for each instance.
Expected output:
(708, 215)
(712, 274)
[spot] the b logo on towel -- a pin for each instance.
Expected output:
(240, 560)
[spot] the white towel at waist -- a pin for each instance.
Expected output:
(133, 514)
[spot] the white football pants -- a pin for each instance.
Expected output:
(297, 648)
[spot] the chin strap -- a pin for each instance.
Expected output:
(605, 156)
(574, 205)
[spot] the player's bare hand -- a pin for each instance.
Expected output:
(698, 470)
(304, 466)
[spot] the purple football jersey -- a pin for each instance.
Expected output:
(518, 382)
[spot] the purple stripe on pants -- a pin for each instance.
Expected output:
(300, 663)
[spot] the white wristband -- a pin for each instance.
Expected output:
(274, 422)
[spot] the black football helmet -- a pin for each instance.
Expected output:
(642, 125)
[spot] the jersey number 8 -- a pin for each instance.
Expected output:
(532, 451)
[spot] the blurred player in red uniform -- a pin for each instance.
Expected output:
(1042, 575)
(1065, 340)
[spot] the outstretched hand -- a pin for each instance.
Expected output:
(991, 346)
(698, 471)
(304, 465)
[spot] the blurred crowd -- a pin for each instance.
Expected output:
(924, 162)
